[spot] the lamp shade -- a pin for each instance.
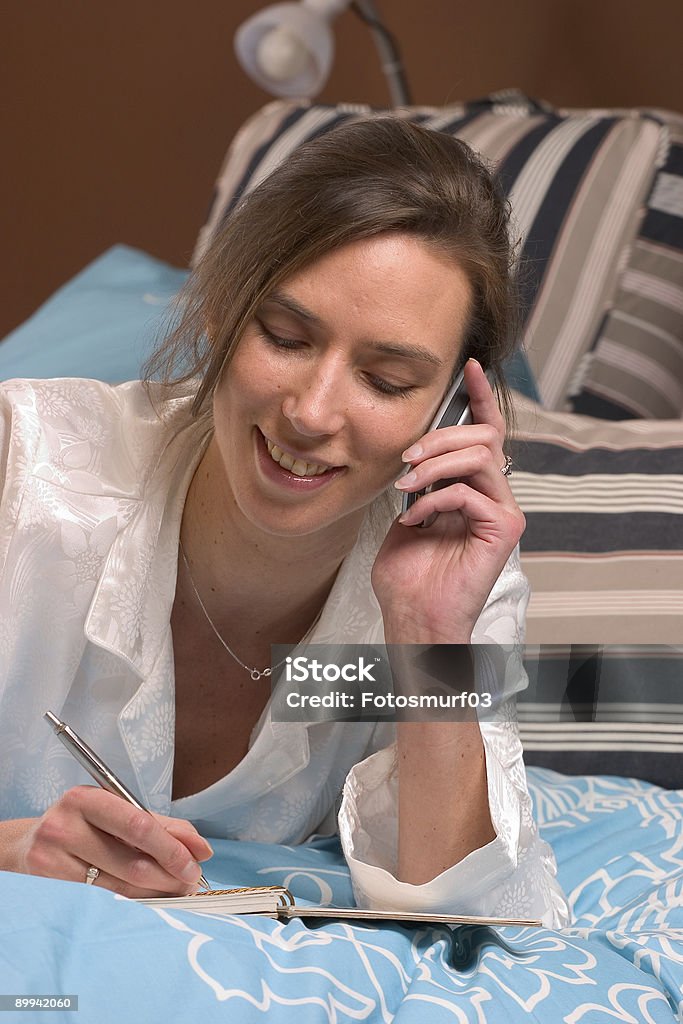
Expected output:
(287, 49)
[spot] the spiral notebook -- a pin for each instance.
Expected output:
(277, 902)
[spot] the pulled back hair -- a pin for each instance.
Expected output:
(363, 178)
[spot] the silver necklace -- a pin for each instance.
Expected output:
(254, 673)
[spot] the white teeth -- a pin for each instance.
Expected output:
(296, 466)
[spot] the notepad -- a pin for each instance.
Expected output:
(277, 902)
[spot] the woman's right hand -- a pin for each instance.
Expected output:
(138, 854)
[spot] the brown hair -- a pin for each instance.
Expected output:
(361, 179)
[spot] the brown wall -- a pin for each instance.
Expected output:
(116, 116)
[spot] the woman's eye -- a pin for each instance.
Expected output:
(275, 339)
(385, 388)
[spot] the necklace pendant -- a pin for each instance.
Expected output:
(253, 672)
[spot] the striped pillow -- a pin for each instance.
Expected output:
(577, 181)
(603, 547)
(635, 365)
(603, 551)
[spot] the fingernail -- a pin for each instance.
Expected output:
(403, 519)
(191, 872)
(473, 360)
(414, 452)
(405, 482)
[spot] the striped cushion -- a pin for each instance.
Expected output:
(577, 181)
(635, 366)
(603, 548)
(603, 551)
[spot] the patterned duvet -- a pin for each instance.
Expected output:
(619, 845)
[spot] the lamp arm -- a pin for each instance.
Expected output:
(387, 48)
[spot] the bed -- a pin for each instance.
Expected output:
(598, 201)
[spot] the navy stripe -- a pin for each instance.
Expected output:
(674, 160)
(598, 676)
(510, 167)
(663, 228)
(545, 457)
(601, 408)
(592, 533)
(661, 769)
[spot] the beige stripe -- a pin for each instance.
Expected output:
(613, 353)
(594, 572)
(653, 288)
(639, 334)
(638, 434)
(581, 744)
(581, 432)
(650, 309)
(591, 602)
(602, 623)
(604, 627)
(623, 492)
(615, 224)
(494, 136)
(656, 258)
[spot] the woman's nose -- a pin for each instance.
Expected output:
(315, 405)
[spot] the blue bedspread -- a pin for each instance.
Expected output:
(619, 845)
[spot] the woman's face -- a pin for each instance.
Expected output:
(342, 368)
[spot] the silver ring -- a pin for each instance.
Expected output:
(92, 874)
(506, 470)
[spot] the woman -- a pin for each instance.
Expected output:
(155, 541)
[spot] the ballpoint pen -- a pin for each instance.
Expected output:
(102, 775)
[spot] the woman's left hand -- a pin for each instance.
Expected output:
(432, 583)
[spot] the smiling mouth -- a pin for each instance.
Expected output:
(299, 467)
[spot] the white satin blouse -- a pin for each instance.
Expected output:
(93, 487)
